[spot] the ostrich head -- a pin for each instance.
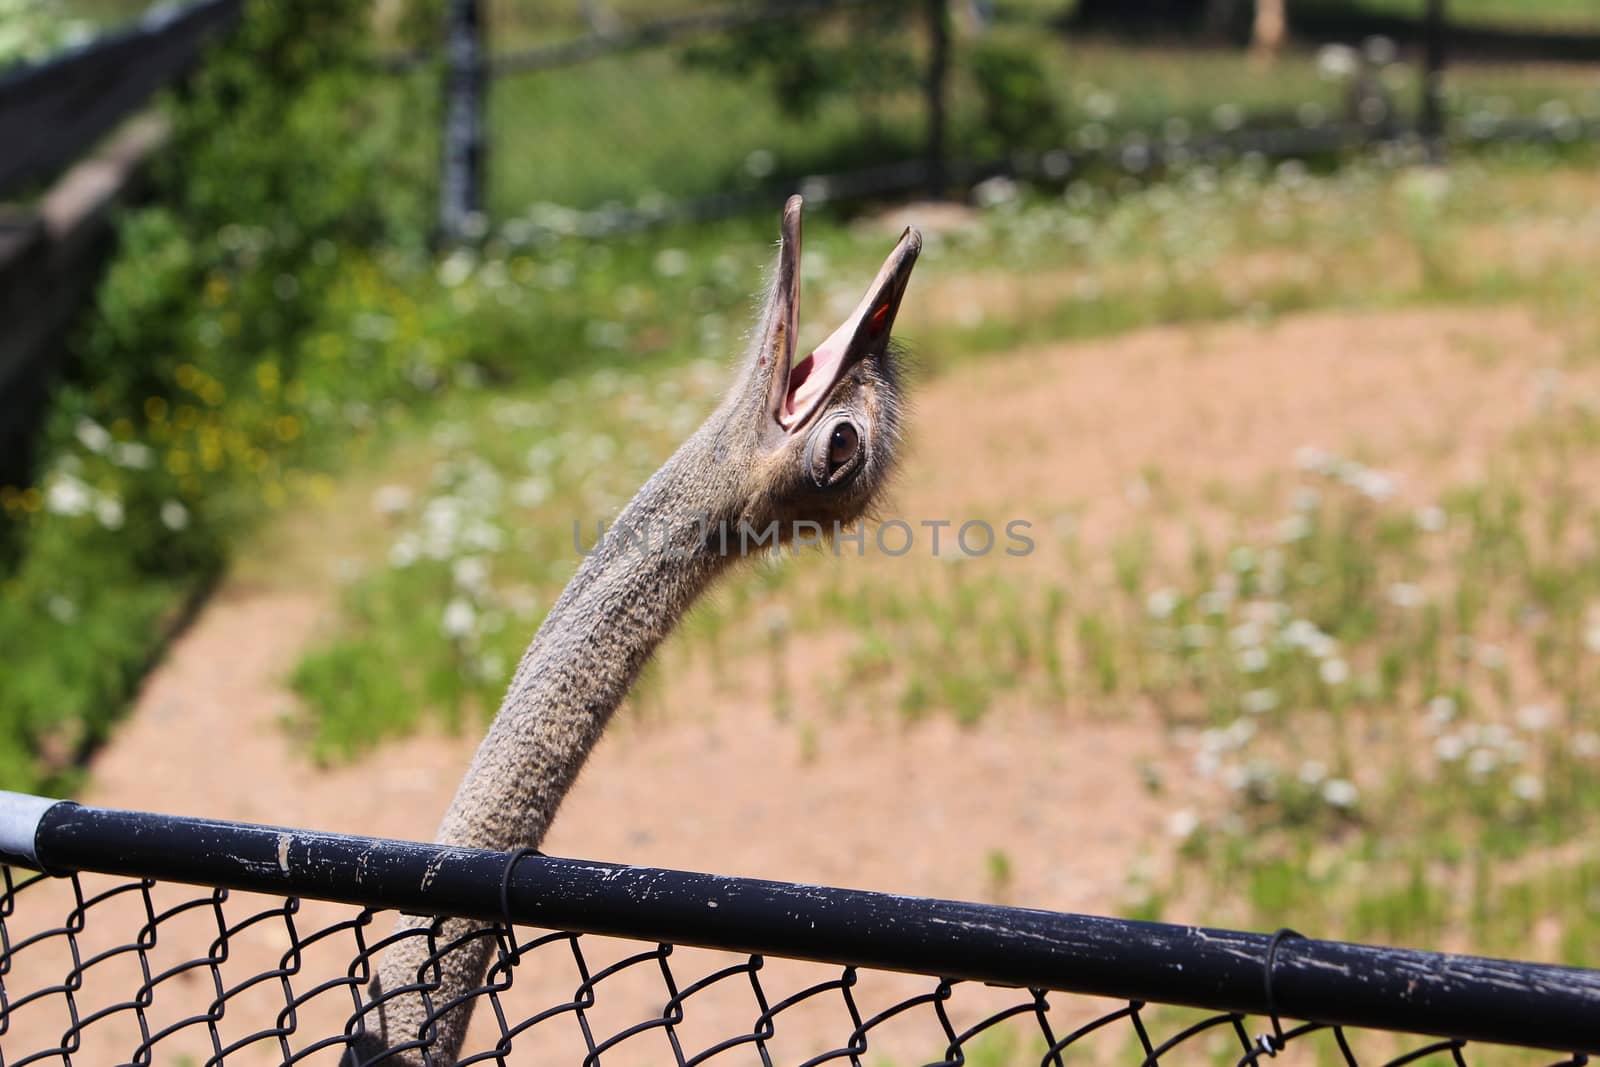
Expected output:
(813, 438)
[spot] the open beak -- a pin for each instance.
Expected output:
(798, 388)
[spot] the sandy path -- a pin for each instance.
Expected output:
(878, 803)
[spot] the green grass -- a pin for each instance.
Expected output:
(1576, 15)
(643, 126)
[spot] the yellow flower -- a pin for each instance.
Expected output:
(210, 445)
(287, 427)
(216, 289)
(267, 377)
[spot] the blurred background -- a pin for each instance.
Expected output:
(323, 322)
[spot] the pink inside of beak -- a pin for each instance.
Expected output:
(811, 377)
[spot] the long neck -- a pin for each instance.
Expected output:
(625, 598)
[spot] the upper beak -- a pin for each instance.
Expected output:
(797, 389)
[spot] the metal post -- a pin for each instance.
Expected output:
(1432, 119)
(461, 179)
(938, 72)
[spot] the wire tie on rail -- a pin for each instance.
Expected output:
(514, 956)
(1274, 1042)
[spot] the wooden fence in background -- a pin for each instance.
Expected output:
(54, 121)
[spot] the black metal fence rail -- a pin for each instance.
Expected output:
(1037, 955)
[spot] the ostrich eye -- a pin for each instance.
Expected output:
(842, 445)
(835, 453)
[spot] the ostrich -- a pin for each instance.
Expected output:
(792, 444)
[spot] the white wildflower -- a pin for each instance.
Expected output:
(1374, 485)
(108, 511)
(530, 492)
(1449, 748)
(1533, 717)
(174, 516)
(491, 665)
(1246, 635)
(391, 500)
(1586, 744)
(1337, 61)
(404, 552)
(1527, 788)
(1227, 117)
(1333, 671)
(1300, 633)
(61, 609)
(1405, 594)
(1431, 519)
(671, 262)
(1482, 761)
(1182, 823)
(132, 455)
(1425, 187)
(1312, 772)
(482, 537)
(760, 163)
(1314, 460)
(92, 435)
(1161, 603)
(1260, 701)
(1379, 50)
(1292, 528)
(995, 192)
(457, 268)
(1254, 660)
(1494, 735)
(1340, 793)
(459, 619)
(470, 573)
(68, 496)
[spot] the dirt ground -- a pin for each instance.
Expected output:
(880, 803)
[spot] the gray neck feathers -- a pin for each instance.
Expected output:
(624, 599)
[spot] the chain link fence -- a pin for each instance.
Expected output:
(203, 942)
